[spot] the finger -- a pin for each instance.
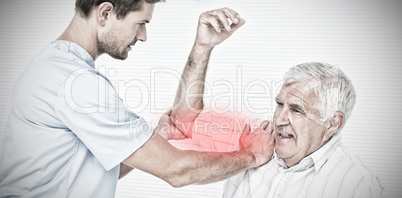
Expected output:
(269, 129)
(224, 21)
(235, 18)
(235, 26)
(208, 19)
(264, 125)
(233, 15)
(246, 131)
(212, 21)
(169, 112)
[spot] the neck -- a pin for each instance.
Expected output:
(82, 32)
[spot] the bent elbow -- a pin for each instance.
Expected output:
(178, 181)
(184, 115)
(180, 176)
(177, 184)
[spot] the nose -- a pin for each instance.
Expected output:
(281, 116)
(142, 34)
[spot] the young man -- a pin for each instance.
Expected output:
(309, 159)
(70, 135)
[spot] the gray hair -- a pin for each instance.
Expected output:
(334, 89)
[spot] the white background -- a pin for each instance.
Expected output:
(362, 37)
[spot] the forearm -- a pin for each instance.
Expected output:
(208, 167)
(189, 97)
(213, 28)
(180, 168)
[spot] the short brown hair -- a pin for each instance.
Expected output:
(122, 7)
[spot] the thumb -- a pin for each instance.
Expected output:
(264, 125)
(234, 26)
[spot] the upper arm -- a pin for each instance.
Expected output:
(104, 124)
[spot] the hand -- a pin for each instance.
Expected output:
(260, 143)
(214, 27)
(167, 129)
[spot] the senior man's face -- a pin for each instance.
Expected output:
(299, 131)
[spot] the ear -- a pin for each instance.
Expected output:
(103, 12)
(335, 124)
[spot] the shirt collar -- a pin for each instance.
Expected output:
(321, 156)
(316, 159)
(77, 50)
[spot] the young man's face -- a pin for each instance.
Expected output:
(299, 131)
(121, 34)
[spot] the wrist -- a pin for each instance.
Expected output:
(250, 158)
(202, 48)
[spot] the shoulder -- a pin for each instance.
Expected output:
(368, 179)
(348, 167)
(53, 65)
(351, 161)
(258, 173)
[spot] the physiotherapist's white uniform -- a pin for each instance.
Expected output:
(67, 130)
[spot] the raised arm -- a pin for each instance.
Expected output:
(213, 28)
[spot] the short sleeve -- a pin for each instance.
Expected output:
(90, 107)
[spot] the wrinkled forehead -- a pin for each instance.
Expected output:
(301, 93)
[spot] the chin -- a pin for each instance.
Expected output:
(122, 56)
(281, 152)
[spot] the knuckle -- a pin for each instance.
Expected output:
(203, 15)
(231, 11)
(213, 12)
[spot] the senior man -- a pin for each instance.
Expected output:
(309, 160)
